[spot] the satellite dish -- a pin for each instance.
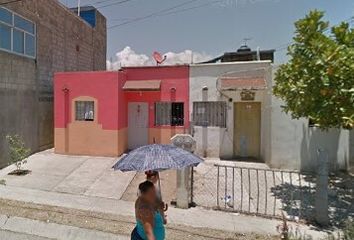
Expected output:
(158, 58)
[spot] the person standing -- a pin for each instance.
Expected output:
(154, 177)
(149, 220)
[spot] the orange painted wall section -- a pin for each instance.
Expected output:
(107, 134)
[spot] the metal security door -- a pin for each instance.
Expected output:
(138, 116)
(247, 129)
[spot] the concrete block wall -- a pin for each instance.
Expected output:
(65, 42)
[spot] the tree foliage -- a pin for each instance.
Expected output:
(18, 151)
(318, 80)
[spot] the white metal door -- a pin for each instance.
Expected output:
(138, 119)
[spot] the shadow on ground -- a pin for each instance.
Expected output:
(300, 200)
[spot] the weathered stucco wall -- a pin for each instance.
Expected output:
(294, 143)
(64, 43)
(285, 143)
(219, 141)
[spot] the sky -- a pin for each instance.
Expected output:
(203, 29)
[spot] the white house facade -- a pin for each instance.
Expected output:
(235, 116)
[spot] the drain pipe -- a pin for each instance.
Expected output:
(205, 124)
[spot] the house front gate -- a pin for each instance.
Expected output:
(257, 191)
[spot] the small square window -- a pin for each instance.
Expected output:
(84, 111)
(18, 41)
(5, 37)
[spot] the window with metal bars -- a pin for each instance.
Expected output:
(210, 114)
(84, 111)
(169, 114)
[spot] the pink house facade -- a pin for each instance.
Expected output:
(107, 113)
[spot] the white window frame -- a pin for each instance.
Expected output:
(12, 27)
(86, 114)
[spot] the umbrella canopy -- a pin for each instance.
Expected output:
(157, 157)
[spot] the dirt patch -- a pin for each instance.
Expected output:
(111, 223)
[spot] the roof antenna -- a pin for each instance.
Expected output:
(158, 58)
(245, 40)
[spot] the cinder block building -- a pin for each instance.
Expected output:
(38, 38)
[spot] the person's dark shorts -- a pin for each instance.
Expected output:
(135, 235)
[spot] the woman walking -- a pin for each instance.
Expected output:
(154, 177)
(149, 220)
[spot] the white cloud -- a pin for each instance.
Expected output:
(128, 57)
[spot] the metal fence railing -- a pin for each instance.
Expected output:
(270, 192)
(257, 191)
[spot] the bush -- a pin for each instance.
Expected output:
(17, 150)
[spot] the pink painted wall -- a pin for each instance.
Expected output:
(171, 77)
(106, 87)
(100, 85)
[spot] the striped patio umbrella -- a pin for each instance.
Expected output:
(157, 157)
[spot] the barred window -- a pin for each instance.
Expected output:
(169, 114)
(84, 110)
(17, 34)
(209, 113)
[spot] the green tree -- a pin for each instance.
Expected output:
(17, 150)
(318, 80)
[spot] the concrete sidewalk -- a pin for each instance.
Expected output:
(90, 184)
(195, 217)
(79, 175)
(21, 228)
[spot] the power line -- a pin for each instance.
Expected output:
(111, 4)
(9, 2)
(190, 8)
(103, 1)
(99, 2)
(174, 12)
(107, 5)
(153, 14)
